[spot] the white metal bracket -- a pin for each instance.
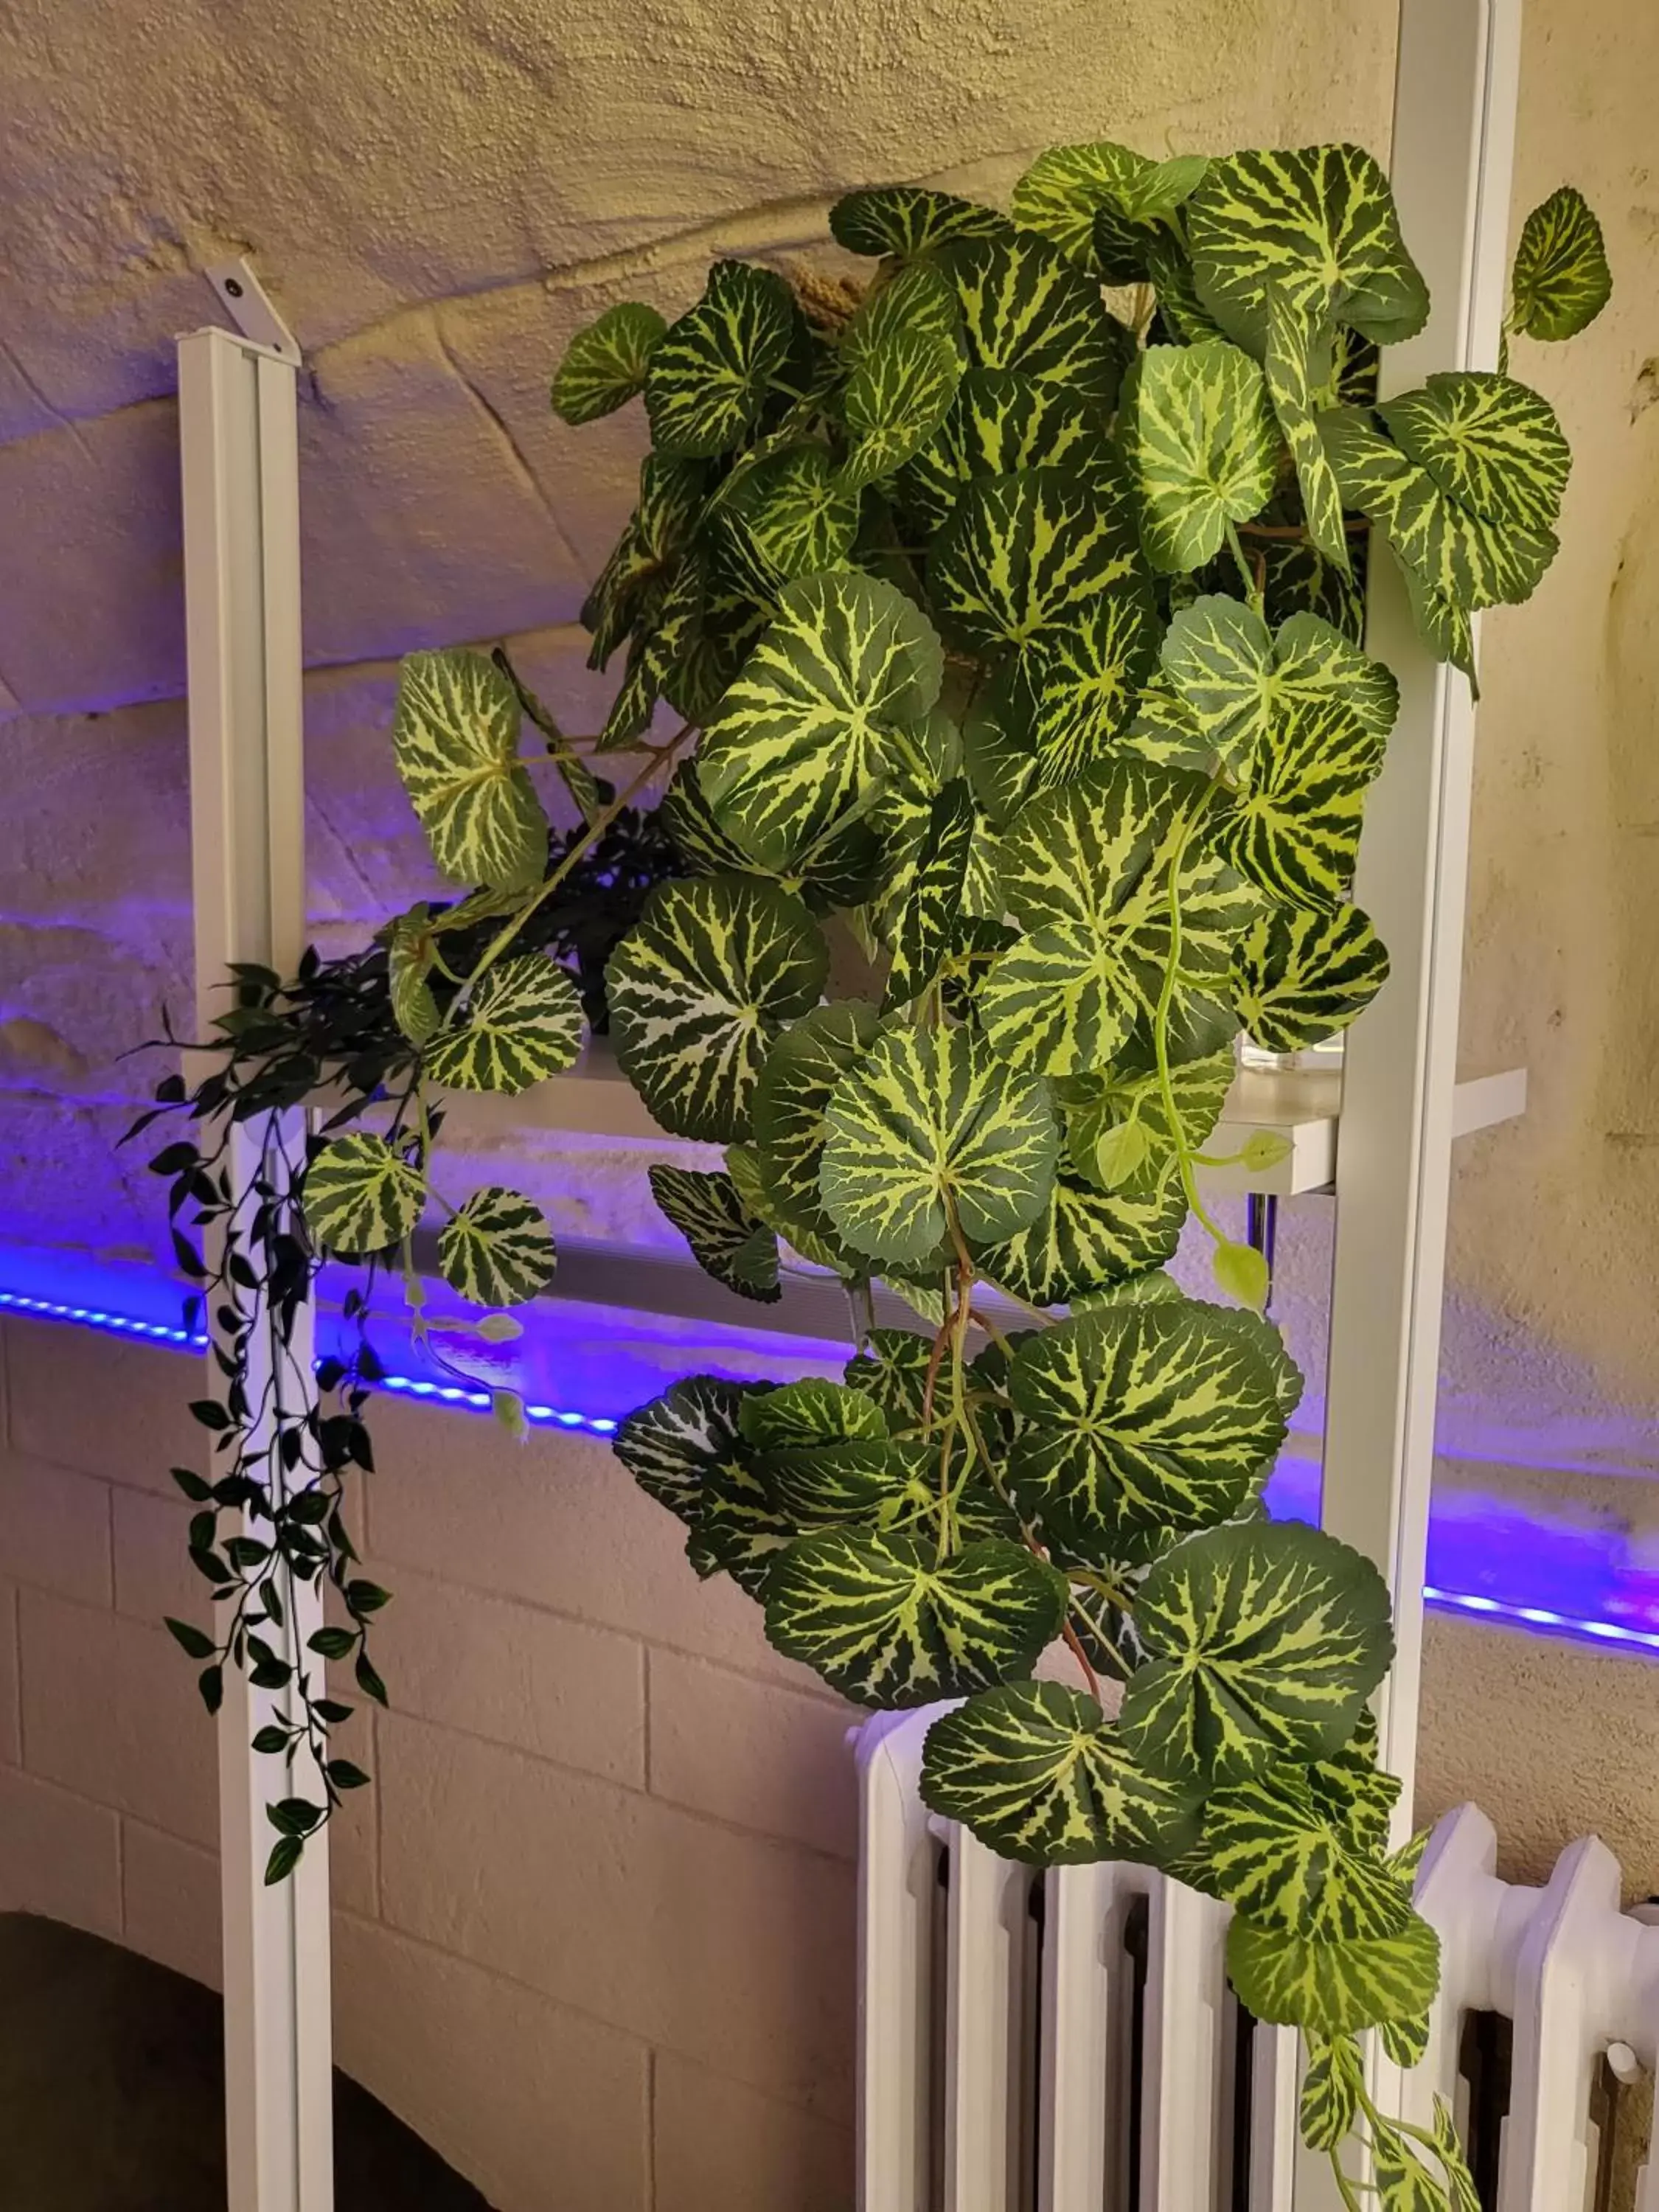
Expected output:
(252, 309)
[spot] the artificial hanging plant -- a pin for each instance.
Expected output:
(1005, 607)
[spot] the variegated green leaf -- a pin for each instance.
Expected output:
(628, 595)
(933, 903)
(1139, 1420)
(1488, 443)
(741, 1530)
(1023, 556)
(1084, 1240)
(1001, 423)
(727, 1241)
(1086, 871)
(410, 954)
(1299, 579)
(698, 990)
(813, 724)
(1332, 1988)
(1084, 682)
(797, 516)
(1292, 334)
(1038, 1774)
(605, 363)
(664, 637)
(1204, 450)
(799, 1075)
(523, 1024)
(1024, 305)
(455, 738)
(1300, 977)
(1180, 312)
(672, 1446)
(361, 1195)
(1444, 625)
(1318, 223)
(888, 1624)
(1271, 1851)
(1235, 678)
(710, 370)
(1164, 731)
(1098, 1108)
(1561, 280)
(928, 1124)
(1404, 2183)
(1330, 2090)
(1460, 2183)
(1407, 2042)
(498, 1251)
(931, 762)
(1065, 189)
(703, 846)
(998, 751)
(917, 300)
(908, 219)
(892, 1370)
(1268, 1639)
(1294, 827)
(1457, 555)
(899, 393)
(813, 1412)
(870, 1480)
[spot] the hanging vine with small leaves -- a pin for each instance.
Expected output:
(1009, 605)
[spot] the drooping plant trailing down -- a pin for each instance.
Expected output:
(1003, 607)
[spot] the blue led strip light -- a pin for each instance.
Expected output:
(1604, 1632)
(408, 1385)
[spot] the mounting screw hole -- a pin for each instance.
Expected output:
(233, 287)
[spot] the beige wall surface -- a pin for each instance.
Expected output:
(594, 1922)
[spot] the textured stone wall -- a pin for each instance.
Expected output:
(564, 1990)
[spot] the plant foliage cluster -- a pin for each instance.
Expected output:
(1012, 598)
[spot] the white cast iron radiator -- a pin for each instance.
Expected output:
(1067, 2042)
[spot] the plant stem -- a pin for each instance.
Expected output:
(1161, 1026)
(1252, 580)
(1074, 1644)
(600, 822)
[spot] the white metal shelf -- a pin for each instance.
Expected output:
(595, 1099)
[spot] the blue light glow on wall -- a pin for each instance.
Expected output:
(1489, 1559)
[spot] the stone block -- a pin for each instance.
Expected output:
(421, 525)
(170, 1896)
(535, 2104)
(754, 1753)
(1489, 1694)
(111, 1711)
(63, 1185)
(11, 1724)
(721, 2144)
(153, 1574)
(107, 1408)
(561, 1689)
(59, 1855)
(54, 1529)
(92, 604)
(557, 1522)
(98, 825)
(686, 1934)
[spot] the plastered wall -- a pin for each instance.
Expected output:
(594, 1926)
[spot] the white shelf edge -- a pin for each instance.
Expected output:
(594, 1099)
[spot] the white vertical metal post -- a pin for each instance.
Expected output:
(1456, 86)
(1453, 136)
(237, 403)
